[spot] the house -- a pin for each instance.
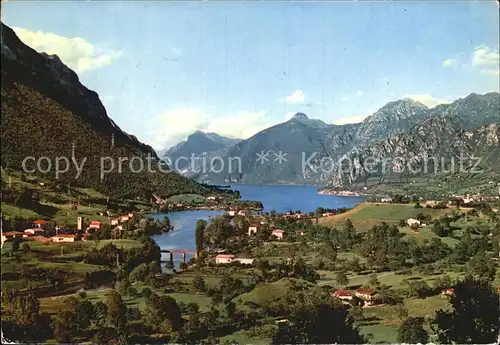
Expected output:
(367, 295)
(252, 229)
(412, 221)
(124, 218)
(344, 295)
(231, 213)
(386, 199)
(10, 235)
(131, 215)
(328, 214)
(224, 259)
(299, 233)
(212, 198)
(245, 261)
(115, 221)
(95, 224)
(299, 215)
(243, 212)
(33, 232)
(40, 223)
(448, 292)
(64, 238)
(278, 233)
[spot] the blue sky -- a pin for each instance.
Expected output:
(164, 70)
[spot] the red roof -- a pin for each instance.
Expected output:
(341, 293)
(279, 231)
(41, 221)
(365, 291)
(225, 256)
(12, 233)
(449, 291)
(95, 222)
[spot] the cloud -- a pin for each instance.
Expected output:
(428, 100)
(491, 71)
(359, 93)
(485, 56)
(450, 63)
(345, 98)
(168, 130)
(76, 52)
(297, 97)
(350, 119)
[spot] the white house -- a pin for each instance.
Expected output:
(252, 229)
(115, 221)
(243, 213)
(212, 198)
(278, 233)
(224, 259)
(95, 224)
(231, 213)
(245, 261)
(412, 221)
(124, 218)
(344, 295)
(64, 238)
(33, 232)
(386, 199)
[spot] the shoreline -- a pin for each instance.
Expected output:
(341, 193)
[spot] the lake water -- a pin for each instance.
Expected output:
(281, 198)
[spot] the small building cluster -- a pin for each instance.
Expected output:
(368, 296)
(37, 230)
(223, 259)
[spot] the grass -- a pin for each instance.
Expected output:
(11, 211)
(266, 293)
(381, 323)
(366, 215)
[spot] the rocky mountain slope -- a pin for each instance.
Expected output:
(440, 144)
(47, 112)
(314, 150)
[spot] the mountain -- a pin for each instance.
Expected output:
(199, 143)
(463, 132)
(313, 150)
(393, 118)
(47, 112)
(300, 135)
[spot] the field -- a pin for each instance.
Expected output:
(366, 215)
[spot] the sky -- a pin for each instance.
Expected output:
(164, 70)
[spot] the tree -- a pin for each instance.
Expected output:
(117, 310)
(100, 314)
(84, 314)
(15, 244)
(200, 235)
(402, 311)
(316, 318)
(21, 318)
(357, 313)
(412, 331)
(163, 312)
(65, 326)
(482, 266)
(341, 278)
(374, 282)
(199, 283)
(474, 315)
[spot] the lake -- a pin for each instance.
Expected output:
(281, 198)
